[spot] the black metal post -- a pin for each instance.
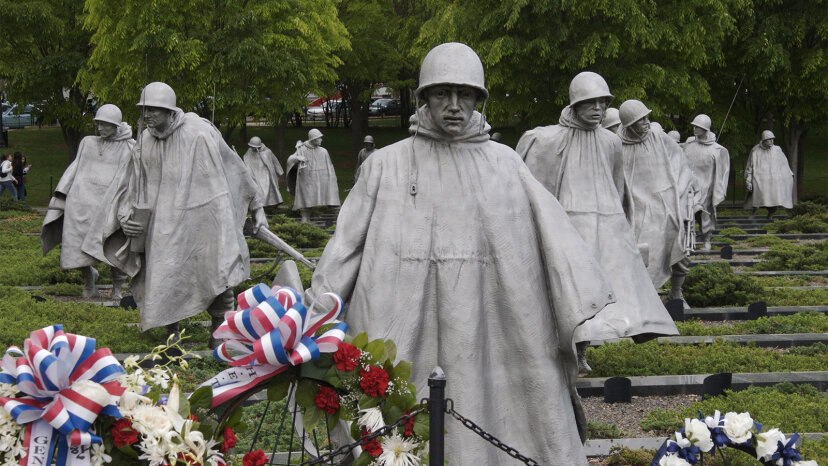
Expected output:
(436, 415)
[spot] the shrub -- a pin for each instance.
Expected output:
(716, 285)
(63, 289)
(604, 430)
(789, 297)
(7, 203)
(791, 408)
(732, 231)
(764, 241)
(805, 223)
(787, 256)
(623, 456)
(802, 322)
(808, 208)
(302, 235)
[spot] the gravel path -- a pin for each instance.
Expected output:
(627, 416)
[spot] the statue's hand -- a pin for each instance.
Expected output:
(132, 228)
(260, 220)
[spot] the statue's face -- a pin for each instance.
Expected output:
(106, 130)
(591, 112)
(451, 107)
(369, 146)
(316, 142)
(157, 118)
(767, 143)
(641, 126)
(699, 132)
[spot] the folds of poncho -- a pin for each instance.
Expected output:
(199, 191)
(314, 181)
(583, 167)
(710, 163)
(79, 197)
(771, 176)
(480, 273)
(660, 182)
(266, 170)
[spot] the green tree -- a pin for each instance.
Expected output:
(42, 49)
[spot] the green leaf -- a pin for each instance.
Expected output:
(366, 402)
(332, 377)
(333, 419)
(127, 450)
(235, 417)
(402, 371)
(360, 340)
(363, 460)
(202, 398)
(312, 371)
(305, 392)
(325, 361)
(421, 425)
(311, 418)
(376, 349)
(390, 353)
(278, 390)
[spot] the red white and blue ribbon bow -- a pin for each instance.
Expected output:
(272, 332)
(66, 384)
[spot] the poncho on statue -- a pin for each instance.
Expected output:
(710, 163)
(199, 191)
(662, 189)
(265, 169)
(79, 196)
(311, 177)
(768, 173)
(583, 167)
(480, 273)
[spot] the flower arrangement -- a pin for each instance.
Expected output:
(735, 430)
(65, 401)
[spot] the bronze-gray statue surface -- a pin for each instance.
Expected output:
(311, 176)
(368, 148)
(265, 170)
(448, 245)
(768, 177)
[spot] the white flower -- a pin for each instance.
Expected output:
(699, 434)
(767, 443)
(738, 427)
(397, 451)
(151, 421)
(713, 421)
(672, 460)
(153, 451)
(99, 456)
(371, 419)
(131, 362)
(134, 382)
(131, 400)
(159, 376)
(92, 391)
(8, 390)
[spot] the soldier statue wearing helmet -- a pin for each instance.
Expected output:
(367, 149)
(445, 236)
(311, 177)
(612, 120)
(768, 177)
(80, 194)
(191, 183)
(710, 163)
(662, 190)
(265, 169)
(581, 164)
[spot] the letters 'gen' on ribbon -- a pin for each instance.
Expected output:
(272, 332)
(66, 384)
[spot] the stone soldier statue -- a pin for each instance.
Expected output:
(189, 251)
(768, 177)
(367, 150)
(710, 163)
(496, 137)
(663, 193)
(675, 136)
(311, 176)
(450, 247)
(79, 195)
(581, 164)
(265, 169)
(612, 121)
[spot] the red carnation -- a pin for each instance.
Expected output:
(123, 434)
(373, 446)
(409, 424)
(373, 381)
(347, 357)
(229, 440)
(254, 458)
(327, 400)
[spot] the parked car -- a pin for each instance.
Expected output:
(381, 107)
(23, 119)
(318, 112)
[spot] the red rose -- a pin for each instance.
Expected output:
(347, 357)
(254, 458)
(326, 399)
(373, 381)
(229, 439)
(123, 434)
(373, 446)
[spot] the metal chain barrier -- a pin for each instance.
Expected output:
(347, 448)
(487, 436)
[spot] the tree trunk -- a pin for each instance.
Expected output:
(359, 116)
(244, 130)
(228, 131)
(793, 134)
(72, 137)
(406, 109)
(280, 128)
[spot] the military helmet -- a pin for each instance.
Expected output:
(675, 135)
(109, 113)
(452, 63)
(255, 142)
(157, 94)
(368, 138)
(766, 134)
(702, 121)
(611, 118)
(631, 111)
(588, 85)
(314, 134)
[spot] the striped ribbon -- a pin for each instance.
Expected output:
(272, 332)
(66, 384)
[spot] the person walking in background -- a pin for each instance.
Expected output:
(6, 177)
(19, 171)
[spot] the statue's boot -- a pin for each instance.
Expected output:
(306, 215)
(118, 279)
(771, 211)
(583, 367)
(676, 282)
(90, 279)
(173, 330)
(707, 237)
(223, 303)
